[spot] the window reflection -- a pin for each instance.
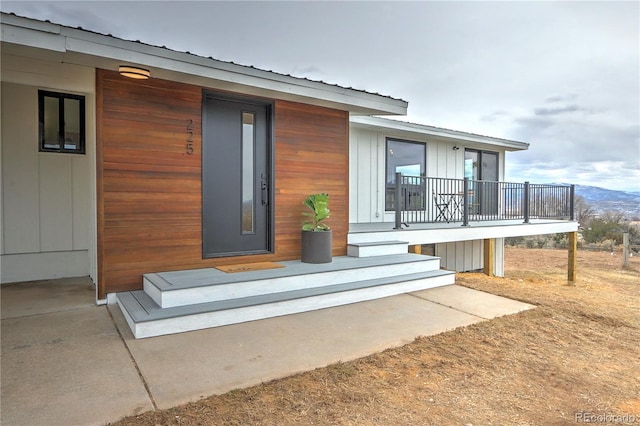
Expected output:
(403, 157)
(71, 123)
(51, 123)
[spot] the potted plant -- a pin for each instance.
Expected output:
(316, 235)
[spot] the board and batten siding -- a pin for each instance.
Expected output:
(461, 256)
(47, 209)
(465, 256)
(367, 175)
(150, 188)
(367, 170)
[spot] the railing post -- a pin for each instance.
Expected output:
(572, 193)
(398, 209)
(465, 203)
(525, 202)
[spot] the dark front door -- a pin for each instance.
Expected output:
(236, 169)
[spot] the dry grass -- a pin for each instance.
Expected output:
(576, 352)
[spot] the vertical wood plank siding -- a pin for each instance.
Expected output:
(149, 195)
(311, 155)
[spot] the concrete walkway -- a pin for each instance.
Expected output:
(66, 361)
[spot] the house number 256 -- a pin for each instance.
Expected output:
(190, 137)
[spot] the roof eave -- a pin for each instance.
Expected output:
(86, 48)
(454, 136)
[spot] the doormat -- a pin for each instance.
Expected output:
(246, 267)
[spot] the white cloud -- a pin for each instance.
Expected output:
(563, 76)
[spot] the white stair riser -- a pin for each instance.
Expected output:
(127, 317)
(152, 291)
(252, 313)
(382, 250)
(172, 298)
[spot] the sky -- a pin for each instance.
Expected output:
(561, 76)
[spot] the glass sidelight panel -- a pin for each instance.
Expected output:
(248, 167)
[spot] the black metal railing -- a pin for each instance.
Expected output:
(432, 200)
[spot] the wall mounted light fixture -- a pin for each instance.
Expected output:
(134, 72)
(455, 148)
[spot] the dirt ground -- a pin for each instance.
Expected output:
(575, 358)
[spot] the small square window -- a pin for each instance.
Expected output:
(62, 122)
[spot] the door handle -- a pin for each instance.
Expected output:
(264, 188)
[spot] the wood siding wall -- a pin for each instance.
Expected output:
(149, 191)
(311, 155)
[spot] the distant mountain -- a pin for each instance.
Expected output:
(602, 200)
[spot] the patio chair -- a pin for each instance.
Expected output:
(442, 207)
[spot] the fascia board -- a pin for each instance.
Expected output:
(444, 134)
(191, 59)
(93, 49)
(230, 74)
(100, 46)
(47, 40)
(27, 23)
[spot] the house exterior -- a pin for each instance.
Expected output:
(445, 157)
(114, 177)
(131, 201)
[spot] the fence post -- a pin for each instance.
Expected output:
(466, 204)
(398, 209)
(525, 202)
(625, 250)
(572, 241)
(572, 193)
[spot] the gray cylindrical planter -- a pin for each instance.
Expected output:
(316, 246)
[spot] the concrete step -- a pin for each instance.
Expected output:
(148, 319)
(182, 288)
(379, 248)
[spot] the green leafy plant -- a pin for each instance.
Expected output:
(319, 206)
